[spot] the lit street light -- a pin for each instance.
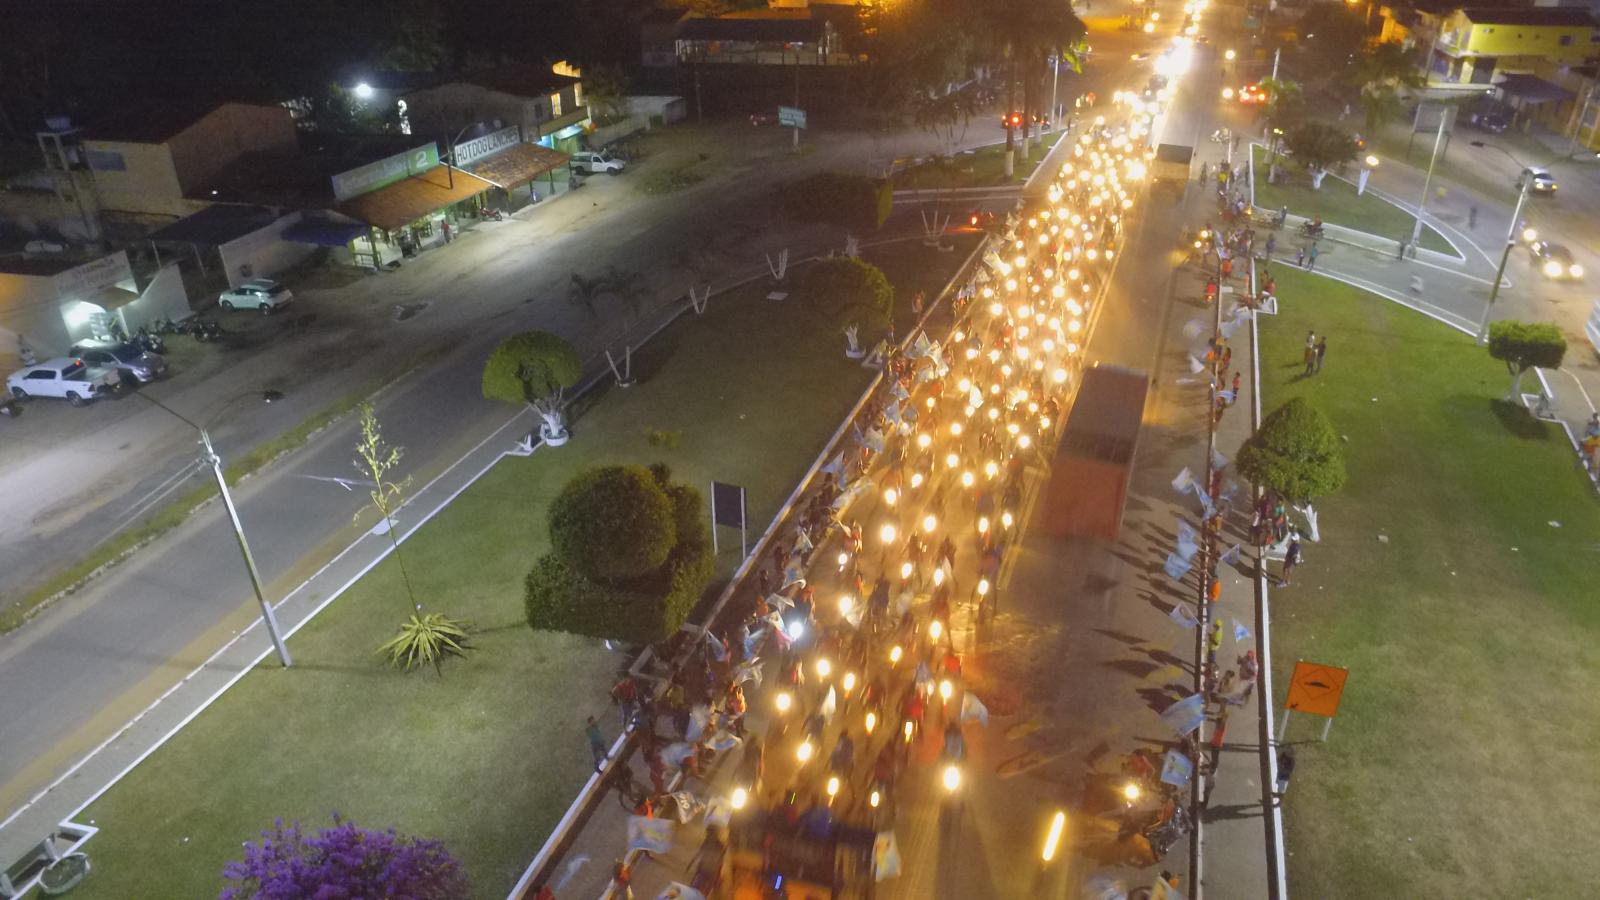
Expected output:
(209, 456)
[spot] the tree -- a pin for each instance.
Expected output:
(1381, 105)
(424, 638)
(605, 89)
(1526, 345)
(1389, 63)
(340, 111)
(1030, 31)
(630, 557)
(536, 368)
(1285, 101)
(853, 294)
(1295, 452)
(613, 523)
(343, 862)
(945, 117)
(1319, 147)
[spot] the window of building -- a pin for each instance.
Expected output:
(577, 94)
(106, 161)
(555, 104)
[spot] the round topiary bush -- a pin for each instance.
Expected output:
(613, 523)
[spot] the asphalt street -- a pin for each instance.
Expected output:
(81, 669)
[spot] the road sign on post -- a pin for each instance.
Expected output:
(727, 508)
(1315, 689)
(791, 117)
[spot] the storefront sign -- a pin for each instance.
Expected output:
(106, 271)
(471, 151)
(375, 175)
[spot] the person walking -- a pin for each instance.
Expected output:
(1311, 257)
(1272, 244)
(1235, 388)
(597, 743)
(1204, 173)
(1322, 350)
(1472, 217)
(1310, 360)
(1291, 558)
(1300, 258)
(1285, 770)
(1214, 640)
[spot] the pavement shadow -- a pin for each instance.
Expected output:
(1519, 421)
(1120, 636)
(1135, 667)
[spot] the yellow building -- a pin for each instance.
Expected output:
(1477, 44)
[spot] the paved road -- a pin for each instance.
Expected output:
(75, 674)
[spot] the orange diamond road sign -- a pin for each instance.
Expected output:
(1316, 689)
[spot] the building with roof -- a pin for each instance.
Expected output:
(547, 107)
(780, 36)
(1474, 44)
(152, 158)
(49, 303)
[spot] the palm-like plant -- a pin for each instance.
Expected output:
(426, 640)
(1029, 31)
(585, 293)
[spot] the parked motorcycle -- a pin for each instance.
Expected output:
(148, 341)
(1310, 230)
(205, 331)
(493, 214)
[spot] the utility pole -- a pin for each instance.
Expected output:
(1511, 241)
(1427, 181)
(1055, 80)
(267, 614)
(1577, 126)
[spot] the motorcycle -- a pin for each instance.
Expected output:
(493, 214)
(148, 341)
(204, 331)
(1310, 230)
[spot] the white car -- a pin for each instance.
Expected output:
(590, 163)
(263, 294)
(1543, 181)
(68, 378)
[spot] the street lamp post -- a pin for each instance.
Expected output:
(211, 458)
(1368, 164)
(1511, 241)
(1427, 181)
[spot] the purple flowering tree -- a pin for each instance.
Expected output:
(343, 863)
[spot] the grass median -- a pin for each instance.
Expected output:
(984, 167)
(1456, 579)
(1338, 204)
(488, 757)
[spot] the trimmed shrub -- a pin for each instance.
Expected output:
(613, 523)
(1296, 453)
(644, 609)
(850, 201)
(850, 292)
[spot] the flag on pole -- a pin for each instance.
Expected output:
(1177, 566)
(973, 710)
(1186, 715)
(1184, 616)
(1184, 481)
(1240, 632)
(885, 857)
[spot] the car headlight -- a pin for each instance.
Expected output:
(1576, 271)
(1552, 268)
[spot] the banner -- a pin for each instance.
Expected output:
(1186, 715)
(885, 857)
(649, 835)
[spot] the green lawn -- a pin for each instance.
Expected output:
(1463, 759)
(1338, 204)
(487, 758)
(979, 168)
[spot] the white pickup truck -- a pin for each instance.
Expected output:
(67, 378)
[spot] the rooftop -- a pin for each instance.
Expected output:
(46, 265)
(762, 25)
(518, 80)
(1570, 17)
(154, 121)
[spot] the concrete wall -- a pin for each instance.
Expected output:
(29, 308)
(200, 151)
(146, 183)
(263, 251)
(164, 297)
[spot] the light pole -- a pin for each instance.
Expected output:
(210, 457)
(1427, 181)
(1368, 164)
(1055, 80)
(1511, 239)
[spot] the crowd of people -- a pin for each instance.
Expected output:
(845, 637)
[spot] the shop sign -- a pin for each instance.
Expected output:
(387, 171)
(106, 271)
(471, 151)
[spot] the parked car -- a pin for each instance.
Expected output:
(262, 294)
(1543, 181)
(1555, 261)
(67, 378)
(589, 163)
(132, 363)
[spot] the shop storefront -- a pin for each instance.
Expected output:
(47, 304)
(521, 173)
(411, 202)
